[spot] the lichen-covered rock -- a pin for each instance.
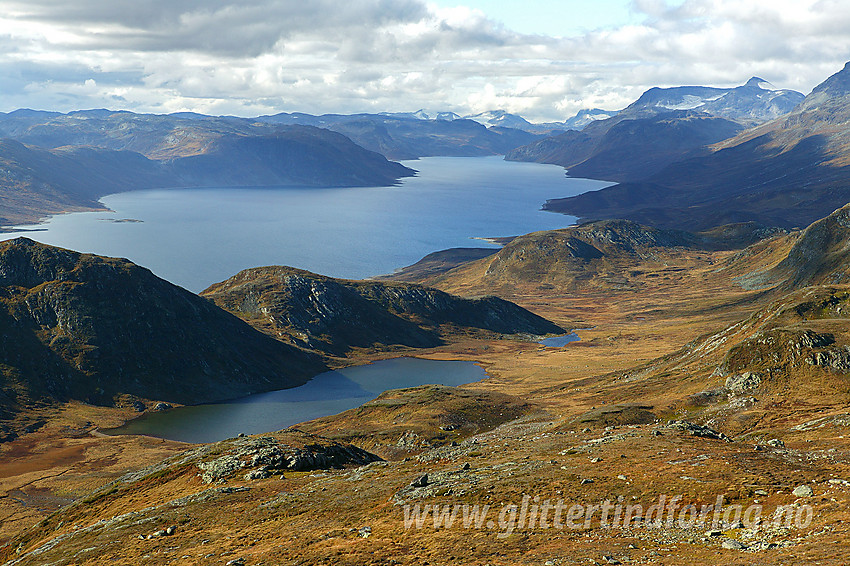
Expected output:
(267, 455)
(741, 383)
(697, 430)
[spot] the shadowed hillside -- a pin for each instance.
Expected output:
(91, 328)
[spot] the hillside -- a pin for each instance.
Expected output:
(36, 182)
(619, 148)
(335, 315)
(295, 155)
(105, 331)
(788, 172)
(663, 126)
(410, 138)
(605, 255)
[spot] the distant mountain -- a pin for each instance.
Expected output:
(752, 103)
(97, 329)
(336, 315)
(501, 119)
(788, 172)
(586, 116)
(35, 182)
(410, 136)
(663, 126)
(423, 114)
(619, 149)
(295, 155)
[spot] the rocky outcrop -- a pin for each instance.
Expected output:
(262, 457)
(335, 315)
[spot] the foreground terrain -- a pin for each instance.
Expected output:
(702, 372)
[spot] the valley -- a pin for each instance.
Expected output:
(710, 381)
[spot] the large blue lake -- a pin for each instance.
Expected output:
(196, 237)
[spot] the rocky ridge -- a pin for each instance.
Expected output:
(334, 315)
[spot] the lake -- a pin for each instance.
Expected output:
(196, 237)
(326, 394)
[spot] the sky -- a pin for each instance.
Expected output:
(543, 59)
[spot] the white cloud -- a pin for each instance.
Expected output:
(265, 56)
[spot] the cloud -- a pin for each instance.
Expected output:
(265, 56)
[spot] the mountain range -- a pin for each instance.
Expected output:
(96, 329)
(787, 172)
(663, 126)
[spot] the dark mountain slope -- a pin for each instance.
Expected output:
(622, 148)
(298, 155)
(788, 172)
(335, 315)
(35, 182)
(78, 326)
(663, 126)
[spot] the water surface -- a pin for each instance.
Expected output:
(196, 237)
(326, 394)
(560, 341)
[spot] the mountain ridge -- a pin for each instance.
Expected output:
(676, 123)
(788, 172)
(97, 329)
(337, 315)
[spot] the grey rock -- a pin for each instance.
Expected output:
(747, 381)
(236, 562)
(776, 443)
(171, 530)
(365, 532)
(698, 430)
(586, 481)
(162, 407)
(421, 481)
(803, 491)
(259, 474)
(733, 544)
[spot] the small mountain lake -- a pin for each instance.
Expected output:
(560, 341)
(326, 394)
